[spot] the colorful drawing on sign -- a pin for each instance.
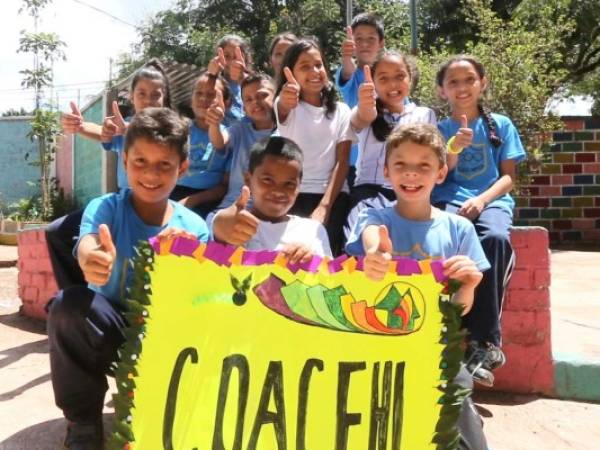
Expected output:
(234, 349)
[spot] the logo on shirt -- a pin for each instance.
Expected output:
(473, 161)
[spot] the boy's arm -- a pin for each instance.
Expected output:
(235, 225)
(96, 254)
(365, 112)
(348, 50)
(214, 116)
(457, 143)
(378, 251)
(73, 123)
(463, 269)
(212, 194)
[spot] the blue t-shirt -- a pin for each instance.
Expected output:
(444, 236)
(349, 89)
(207, 165)
(127, 229)
(478, 165)
(242, 136)
(117, 145)
(236, 110)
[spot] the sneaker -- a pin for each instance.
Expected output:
(84, 436)
(481, 359)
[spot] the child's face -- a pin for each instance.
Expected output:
(152, 170)
(367, 42)
(274, 185)
(392, 82)
(413, 171)
(204, 93)
(277, 55)
(258, 101)
(462, 86)
(310, 73)
(147, 93)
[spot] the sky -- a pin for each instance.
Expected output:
(92, 38)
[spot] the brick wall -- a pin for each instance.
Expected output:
(564, 197)
(36, 279)
(526, 317)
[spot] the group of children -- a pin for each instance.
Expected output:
(268, 168)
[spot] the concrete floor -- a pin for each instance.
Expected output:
(30, 421)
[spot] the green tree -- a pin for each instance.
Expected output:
(46, 49)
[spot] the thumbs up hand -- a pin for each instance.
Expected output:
(378, 249)
(216, 111)
(348, 46)
(113, 125)
(367, 108)
(463, 137)
(290, 93)
(235, 225)
(218, 63)
(237, 67)
(72, 123)
(97, 261)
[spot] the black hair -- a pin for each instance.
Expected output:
(153, 70)
(162, 126)
(257, 77)
(370, 19)
(226, 91)
(328, 94)
(418, 133)
(239, 41)
(277, 146)
(495, 140)
(381, 128)
(285, 36)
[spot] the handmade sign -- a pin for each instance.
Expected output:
(233, 349)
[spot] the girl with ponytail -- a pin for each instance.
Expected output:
(483, 151)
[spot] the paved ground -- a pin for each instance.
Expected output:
(30, 421)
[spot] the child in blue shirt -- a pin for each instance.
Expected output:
(484, 151)
(415, 162)
(86, 324)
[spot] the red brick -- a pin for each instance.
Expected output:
(24, 278)
(560, 180)
(562, 224)
(541, 278)
(550, 191)
(583, 224)
(521, 279)
(525, 327)
(526, 299)
(591, 212)
(591, 168)
(530, 257)
(38, 280)
(35, 310)
(574, 124)
(591, 235)
(540, 180)
(531, 190)
(518, 238)
(585, 157)
(592, 146)
(30, 293)
(597, 201)
(572, 168)
(554, 236)
(539, 202)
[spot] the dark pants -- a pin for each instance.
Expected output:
(203, 209)
(61, 237)
(493, 228)
(470, 425)
(366, 196)
(306, 204)
(84, 332)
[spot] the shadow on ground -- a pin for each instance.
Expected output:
(23, 323)
(47, 435)
(482, 398)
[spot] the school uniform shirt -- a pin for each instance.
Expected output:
(349, 88)
(317, 136)
(117, 145)
(444, 236)
(235, 113)
(371, 152)
(296, 230)
(242, 135)
(127, 229)
(478, 165)
(207, 165)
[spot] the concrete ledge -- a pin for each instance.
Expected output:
(576, 377)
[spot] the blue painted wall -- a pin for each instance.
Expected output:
(15, 171)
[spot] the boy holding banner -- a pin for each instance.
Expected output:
(85, 324)
(415, 161)
(273, 179)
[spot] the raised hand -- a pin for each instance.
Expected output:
(366, 98)
(113, 125)
(348, 46)
(290, 92)
(218, 63)
(378, 256)
(236, 225)
(98, 263)
(237, 67)
(216, 111)
(463, 137)
(72, 123)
